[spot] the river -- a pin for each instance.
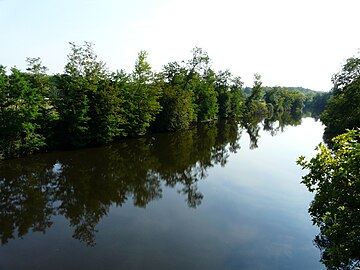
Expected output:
(218, 196)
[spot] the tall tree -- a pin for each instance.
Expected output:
(141, 97)
(19, 114)
(256, 107)
(199, 62)
(229, 95)
(205, 96)
(237, 98)
(222, 87)
(342, 110)
(39, 80)
(200, 80)
(88, 102)
(257, 90)
(177, 103)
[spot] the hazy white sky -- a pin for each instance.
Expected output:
(289, 42)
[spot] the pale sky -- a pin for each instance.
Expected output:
(289, 42)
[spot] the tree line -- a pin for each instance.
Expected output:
(89, 105)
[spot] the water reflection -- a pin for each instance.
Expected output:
(278, 122)
(83, 185)
(274, 124)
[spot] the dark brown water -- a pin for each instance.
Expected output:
(219, 196)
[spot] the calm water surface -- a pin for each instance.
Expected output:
(215, 197)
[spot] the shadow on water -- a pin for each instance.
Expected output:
(82, 185)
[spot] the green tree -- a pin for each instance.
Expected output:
(39, 80)
(88, 100)
(297, 103)
(222, 87)
(21, 109)
(315, 103)
(282, 100)
(141, 97)
(229, 95)
(257, 90)
(342, 110)
(200, 79)
(237, 99)
(6, 114)
(107, 112)
(199, 62)
(177, 103)
(188, 93)
(72, 100)
(256, 107)
(205, 96)
(334, 176)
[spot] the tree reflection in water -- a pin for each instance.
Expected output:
(82, 185)
(274, 124)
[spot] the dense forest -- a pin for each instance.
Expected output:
(334, 173)
(89, 105)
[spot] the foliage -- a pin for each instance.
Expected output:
(237, 99)
(193, 92)
(285, 100)
(75, 87)
(342, 110)
(88, 100)
(334, 176)
(22, 107)
(231, 101)
(255, 106)
(222, 87)
(176, 100)
(141, 97)
(205, 96)
(36, 75)
(257, 89)
(88, 105)
(315, 103)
